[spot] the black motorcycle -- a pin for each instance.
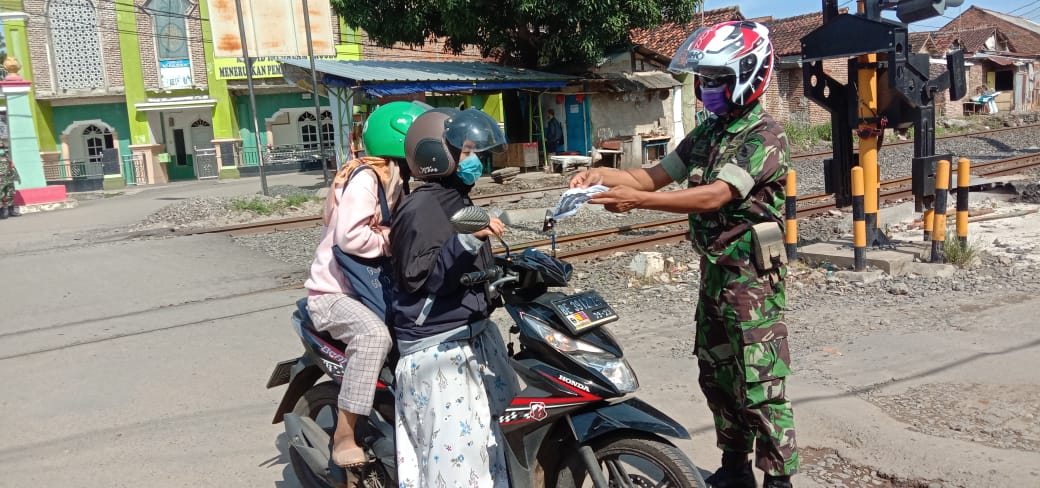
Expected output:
(574, 423)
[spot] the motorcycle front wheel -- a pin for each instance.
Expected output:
(633, 461)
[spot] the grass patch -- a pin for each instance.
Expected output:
(961, 256)
(297, 200)
(255, 204)
(112, 195)
(268, 206)
(802, 135)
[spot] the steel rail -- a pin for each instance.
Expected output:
(804, 202)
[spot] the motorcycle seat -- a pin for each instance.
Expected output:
(307, 323)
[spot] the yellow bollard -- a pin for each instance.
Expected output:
(928, 218)
(791, 211)
(859, 224)
(942, 187)
(963, 182)
(867, 77)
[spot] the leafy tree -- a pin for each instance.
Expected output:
(524, 33)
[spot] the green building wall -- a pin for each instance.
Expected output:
(266, 106)
(113, 114)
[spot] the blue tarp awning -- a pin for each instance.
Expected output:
(382, 78)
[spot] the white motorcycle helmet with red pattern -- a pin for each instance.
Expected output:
(740, 50)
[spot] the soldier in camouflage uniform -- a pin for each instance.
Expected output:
(8, 177)
(736, 166)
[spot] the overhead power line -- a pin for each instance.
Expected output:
(1034, 2)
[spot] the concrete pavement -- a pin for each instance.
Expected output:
(128, 207)
(143, 363)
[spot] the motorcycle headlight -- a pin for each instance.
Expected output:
(615, 369)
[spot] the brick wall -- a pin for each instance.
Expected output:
(36, 28)
(146, 45)
(785, 99)
(432, 50)
(110, 49)
(196, 49)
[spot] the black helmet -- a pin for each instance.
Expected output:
(427, 154)
(474, 130)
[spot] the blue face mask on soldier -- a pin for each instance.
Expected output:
(470, 169)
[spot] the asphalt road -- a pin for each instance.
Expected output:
(129, 364)
(143, 363)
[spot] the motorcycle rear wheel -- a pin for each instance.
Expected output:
(320, 403)
(643, 461)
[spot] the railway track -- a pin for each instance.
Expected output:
(807, 206)
(892, 190)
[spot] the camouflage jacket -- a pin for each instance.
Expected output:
(8, 173)
(752, 155)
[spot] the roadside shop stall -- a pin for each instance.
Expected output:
(352, 86)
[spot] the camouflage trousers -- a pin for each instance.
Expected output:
(743, 356)
(7, 194)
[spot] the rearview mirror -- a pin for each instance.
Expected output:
(470, 219)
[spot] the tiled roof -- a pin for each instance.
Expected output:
(971, 41)
(787, 33)
(918, 40)
(666, 38)
(1023, 35)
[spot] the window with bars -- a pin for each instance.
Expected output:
(96, 140)
(328, 131)
(308, 130)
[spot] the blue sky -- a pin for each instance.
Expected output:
(1029, 9)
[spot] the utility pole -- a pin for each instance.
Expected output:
(252, 95)
(317, 99)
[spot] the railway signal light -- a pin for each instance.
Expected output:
(914, 10)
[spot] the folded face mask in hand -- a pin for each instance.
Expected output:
(573, 199)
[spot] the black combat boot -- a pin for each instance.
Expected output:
(3, 212)
(777, 482)
(12, 211)
(735, 472)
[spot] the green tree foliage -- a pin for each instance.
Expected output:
(525, 33)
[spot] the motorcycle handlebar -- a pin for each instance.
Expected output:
(476, 277)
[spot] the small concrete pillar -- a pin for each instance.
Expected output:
(149, 153)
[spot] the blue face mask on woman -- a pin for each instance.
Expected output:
(470, 169)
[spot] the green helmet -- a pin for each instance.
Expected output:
(385, 128)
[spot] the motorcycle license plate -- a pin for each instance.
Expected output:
(584, 311)
(281, 373)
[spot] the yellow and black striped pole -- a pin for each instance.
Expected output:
(927, 218)
(791, 211)
(942, 188)
(963, 182)
(859, 224)
(867, 76)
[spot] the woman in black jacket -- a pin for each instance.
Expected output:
(453, 377)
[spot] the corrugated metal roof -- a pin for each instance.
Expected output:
(639, 81)
(382, 78)
(365, 72)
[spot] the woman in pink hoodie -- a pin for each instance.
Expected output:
(353, 224)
